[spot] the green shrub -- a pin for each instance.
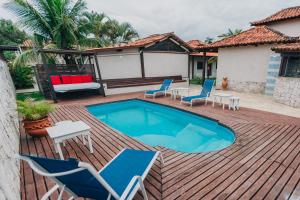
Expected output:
(34, 110)
(196, 80)
(199, 81)
(22, 77)
(37, 96)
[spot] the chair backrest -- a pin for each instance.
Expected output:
(207, 87)
(82, 183)
(166, 84)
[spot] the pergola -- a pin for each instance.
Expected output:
(45, 70)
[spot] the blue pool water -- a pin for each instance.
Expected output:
(159, 125)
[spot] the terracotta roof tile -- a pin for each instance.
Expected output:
(253, 36)
(143, 42)
(292, 47)
(195, 43)
(288, 13)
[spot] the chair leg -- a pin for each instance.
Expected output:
(61, 193)
(143, 188)
(51, 191)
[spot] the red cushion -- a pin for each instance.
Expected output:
(66, 79)
(76, 79)
(55, 80)
(87, 78)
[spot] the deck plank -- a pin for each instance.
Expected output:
(264, 161)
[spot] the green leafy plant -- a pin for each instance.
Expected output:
(34, 110)
(37, 96)
(196, 80)
(22, 76)
(199, 81)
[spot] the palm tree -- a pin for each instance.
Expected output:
(94, 26)
(209, 40)
(117, 33)
(230, 33)
(53, 21)
(102, 31)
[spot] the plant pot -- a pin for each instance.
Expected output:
(37, 128)
(225, 83)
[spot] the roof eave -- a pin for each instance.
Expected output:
(249, 44)
(267, 22)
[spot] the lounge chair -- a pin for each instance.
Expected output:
(162, 90)
(119, 179)
(205, 93)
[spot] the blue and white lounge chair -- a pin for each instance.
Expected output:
(205, 93)
(119, 179)
(162, 90)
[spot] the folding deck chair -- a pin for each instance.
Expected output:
(119, 179)
(205, 93)
(162, 90)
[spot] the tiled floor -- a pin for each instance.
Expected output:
(264, 162)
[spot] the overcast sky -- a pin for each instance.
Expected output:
(189, 19)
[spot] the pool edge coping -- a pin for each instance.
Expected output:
(140, 99)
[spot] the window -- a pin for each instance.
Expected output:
(199, 65)
(209, 69)
(290, 66)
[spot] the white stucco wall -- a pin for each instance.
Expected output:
(246, 67)
(9, 137)
(288, 27)
(165, 64)
(116, 65)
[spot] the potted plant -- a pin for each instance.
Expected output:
(35, 116)
(225, 83)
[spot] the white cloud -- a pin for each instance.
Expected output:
(190, 19)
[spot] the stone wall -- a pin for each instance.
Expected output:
(9, 138)
(245, 86)
(287, 91)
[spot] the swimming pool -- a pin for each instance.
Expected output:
(159, 125)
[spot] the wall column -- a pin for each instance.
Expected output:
(204, 67)
(193, 66)
(99, 74)
(142, 63)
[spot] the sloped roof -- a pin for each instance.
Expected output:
(195, 43)
(292, 47)
(147, 41)
(253, 36)
(285, 14)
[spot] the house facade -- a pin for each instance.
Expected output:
(250, 61)
(139, 65)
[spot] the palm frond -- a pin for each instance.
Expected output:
(25, 58)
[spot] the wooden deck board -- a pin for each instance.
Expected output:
(264, 161)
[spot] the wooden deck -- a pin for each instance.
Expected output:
(263, 163)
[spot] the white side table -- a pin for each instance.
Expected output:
(66, 130)
(220, 96)
(234, 103)
(176, 91)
